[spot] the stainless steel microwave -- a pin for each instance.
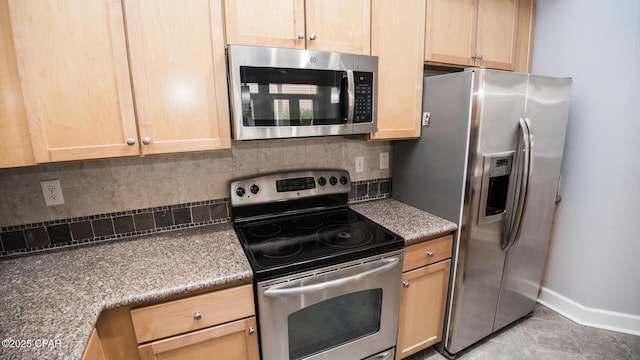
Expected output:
(282, 93)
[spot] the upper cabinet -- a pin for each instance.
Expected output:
(15, 143)
(397, 38)
(326, 25)
(177, 57)
(473, 32)
(72, 63)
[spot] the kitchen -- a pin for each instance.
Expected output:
(122, 184)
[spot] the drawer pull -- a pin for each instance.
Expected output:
(252, 331)
(405, 284)
(197, 315)
(430, 253)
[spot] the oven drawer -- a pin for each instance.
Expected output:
(427, 252)
(193, 313)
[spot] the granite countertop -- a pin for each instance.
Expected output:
(58, 296)
(410, 223)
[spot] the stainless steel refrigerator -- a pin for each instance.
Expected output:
(489, 160)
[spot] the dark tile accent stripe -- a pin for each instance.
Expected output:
(21, 240)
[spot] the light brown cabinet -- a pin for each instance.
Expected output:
(94, 348)
(397, 38)
(15, 142)
(221, 323)
(478, 33)
(178, 68)
(72, 63)
(425, 282)
(327, 25)
(72, 69)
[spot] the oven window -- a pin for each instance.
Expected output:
(334, 322)
(292, 97)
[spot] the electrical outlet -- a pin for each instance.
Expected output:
(384, 160)
(52, 192)
(359, 164)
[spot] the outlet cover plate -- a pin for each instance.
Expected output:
(359, 164)
(52, 192)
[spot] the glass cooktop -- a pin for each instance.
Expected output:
(293, 243)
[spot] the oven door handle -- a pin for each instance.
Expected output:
(388, 264)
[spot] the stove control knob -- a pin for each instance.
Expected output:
(322, 181)
(344, 180)
(240, 191)
(333, 180)
(254, 189)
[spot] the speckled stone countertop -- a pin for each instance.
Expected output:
(58, 296)
(410, 223)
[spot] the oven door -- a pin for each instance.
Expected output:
(348, 311)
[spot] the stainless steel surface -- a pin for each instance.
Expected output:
(312, 36)
(197, 315)
(295, 59)
(474, 120)
(385, 355)
(377, 266)
(301, 35)
(131, 141)
(268, 192)
(274, 311)
(351, 95)
(146, 141)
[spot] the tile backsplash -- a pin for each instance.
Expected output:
(127, 196)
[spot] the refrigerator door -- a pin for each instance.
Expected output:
(498, 104)
(547, 109)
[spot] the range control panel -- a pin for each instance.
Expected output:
(289, 185)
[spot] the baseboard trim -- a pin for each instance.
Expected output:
(588, 316)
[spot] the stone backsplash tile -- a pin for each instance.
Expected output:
(20, 240)
(126, 184)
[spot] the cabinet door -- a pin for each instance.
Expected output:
(72, 60)
(524, 42)
(422, 307)
(451, 31)
(179, 75)
(15, 143)
(397, 38)
(236, 340)
(274, 23)
(94, 348)
(339, 25)
(497, 33)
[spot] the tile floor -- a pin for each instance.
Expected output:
(547, 335)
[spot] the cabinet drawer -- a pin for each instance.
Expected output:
(427, 252)
(179, 316)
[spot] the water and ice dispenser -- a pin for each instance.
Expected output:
(495, 187)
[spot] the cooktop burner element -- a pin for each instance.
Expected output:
(293, 222)
(344, 236)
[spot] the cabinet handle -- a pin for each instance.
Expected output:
(300, 35)
(252, 331)
(312, 37)
(430, 254)
(131, 141)
(146, 141)
(405, 284)
(479, 57)
(474, 56)
(197, 315)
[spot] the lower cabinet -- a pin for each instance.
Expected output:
(94, 348)
(234, 340)
(425, 283)
(220, 324)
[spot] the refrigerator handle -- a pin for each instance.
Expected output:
(526, 153)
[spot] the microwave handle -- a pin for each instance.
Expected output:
(351, 96)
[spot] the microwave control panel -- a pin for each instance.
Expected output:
(363, 97)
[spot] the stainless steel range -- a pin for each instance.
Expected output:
(327, 278)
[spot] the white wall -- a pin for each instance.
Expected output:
(593, 274)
